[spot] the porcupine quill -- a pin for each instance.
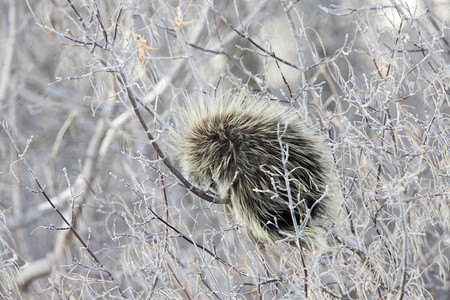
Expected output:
(274, 169)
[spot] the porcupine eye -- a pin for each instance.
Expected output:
(213, 186)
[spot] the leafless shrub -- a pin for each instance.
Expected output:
(92, 202)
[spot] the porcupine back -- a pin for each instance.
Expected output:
(232, 145)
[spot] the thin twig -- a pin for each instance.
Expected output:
(58, 212)
(208, 196)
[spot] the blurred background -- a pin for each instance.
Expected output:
(372, 76)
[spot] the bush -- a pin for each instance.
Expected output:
(92, 202)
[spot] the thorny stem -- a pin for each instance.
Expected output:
(404, 267)
(186, 49)
(200, 193)
(205, 195)
(69, 224)
(285, 159)
(245, 36)
(183, 236)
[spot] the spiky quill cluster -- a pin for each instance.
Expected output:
(277, 173)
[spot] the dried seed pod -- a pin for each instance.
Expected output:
(276, 171)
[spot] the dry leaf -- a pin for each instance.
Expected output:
(142, 44)
(178, 22)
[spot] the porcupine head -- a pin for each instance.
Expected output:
(277, 173)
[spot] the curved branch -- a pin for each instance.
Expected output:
(205, 195)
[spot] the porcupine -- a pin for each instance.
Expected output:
(232, 144)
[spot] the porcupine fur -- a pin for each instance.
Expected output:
(230, 144)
